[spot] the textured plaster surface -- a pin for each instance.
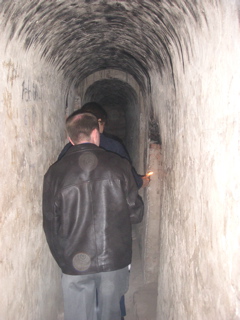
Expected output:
(32, 120)
(199, 231)
(151, 238)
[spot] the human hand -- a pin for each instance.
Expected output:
(146, 181)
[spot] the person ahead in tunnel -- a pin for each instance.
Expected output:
(90, 200)
(107, 142)
(110, 144)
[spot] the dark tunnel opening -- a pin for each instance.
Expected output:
(120, 101)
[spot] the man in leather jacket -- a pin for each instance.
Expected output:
(107, 142)
(90, 200)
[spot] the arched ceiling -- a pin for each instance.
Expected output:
(111, 91)
(84, 36)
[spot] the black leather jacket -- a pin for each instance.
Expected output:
(90, 199)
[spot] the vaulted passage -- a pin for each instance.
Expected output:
(121, 102)
(168, 74)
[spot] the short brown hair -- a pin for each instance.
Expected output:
(80, 126)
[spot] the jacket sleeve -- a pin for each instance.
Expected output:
(138, 178)
(124, 154)
(122, 151)
(51, 220)
(134, 201)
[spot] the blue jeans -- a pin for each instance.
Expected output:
(79, 294)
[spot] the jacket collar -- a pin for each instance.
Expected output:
(82, 147)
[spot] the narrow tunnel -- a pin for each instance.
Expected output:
(120, 100)
(167, 73)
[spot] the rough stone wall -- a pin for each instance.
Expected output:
(199, 275)
(152, 217)
(32, 114)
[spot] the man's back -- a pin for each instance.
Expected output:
(94, 203)
(89, 202)
(112, 145)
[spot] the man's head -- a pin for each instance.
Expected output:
(82, 128)
(97, 110)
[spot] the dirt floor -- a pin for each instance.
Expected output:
(141, 298)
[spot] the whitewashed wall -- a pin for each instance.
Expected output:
(199, 275)
(32, 114)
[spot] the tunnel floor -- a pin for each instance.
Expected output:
(141, 299)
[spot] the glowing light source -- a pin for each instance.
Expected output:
(149, 173)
